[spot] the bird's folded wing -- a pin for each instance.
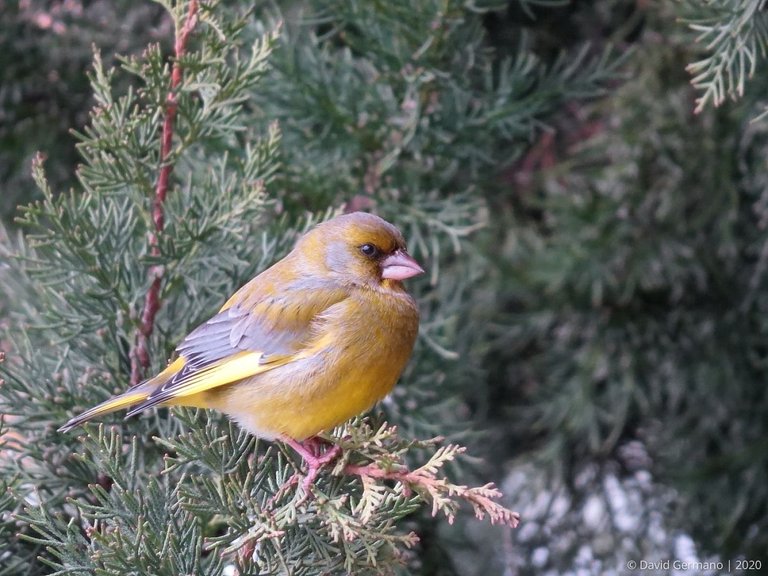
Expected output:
(243, 340)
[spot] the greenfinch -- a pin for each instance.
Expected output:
(317, 338)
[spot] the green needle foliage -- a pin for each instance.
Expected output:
(281, 120)
(639, 261)
(734, 34)
(592, 317)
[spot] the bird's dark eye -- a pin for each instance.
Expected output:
(369, 250)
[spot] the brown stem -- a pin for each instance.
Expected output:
(140, 356)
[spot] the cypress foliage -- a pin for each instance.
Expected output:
(636, 324)
(184, 193)
(592, 316)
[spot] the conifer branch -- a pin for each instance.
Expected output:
(140, 356)
(735, 36)
(427, 482)
(373, 103)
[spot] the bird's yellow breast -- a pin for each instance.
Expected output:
(355, 360)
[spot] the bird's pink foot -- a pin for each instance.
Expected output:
(316, 453)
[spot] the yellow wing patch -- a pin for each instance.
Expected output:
(231, 369)
(187, 383)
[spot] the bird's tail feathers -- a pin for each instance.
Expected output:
(129, 398)
(134, 395)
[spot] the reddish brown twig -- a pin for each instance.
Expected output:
(439, 490)
(140, 356)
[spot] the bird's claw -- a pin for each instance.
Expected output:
(317, 453)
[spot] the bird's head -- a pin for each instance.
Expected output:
(360, 248)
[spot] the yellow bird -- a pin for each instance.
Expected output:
(317, 338)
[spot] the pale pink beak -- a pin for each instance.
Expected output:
(400, 266)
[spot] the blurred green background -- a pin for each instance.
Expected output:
(613, 370)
